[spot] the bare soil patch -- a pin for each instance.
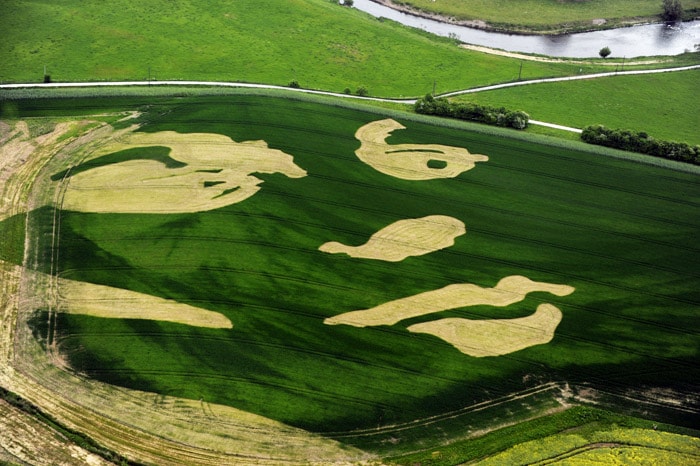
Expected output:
(405, 238)
(25, 439)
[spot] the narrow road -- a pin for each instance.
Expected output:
(350, 96)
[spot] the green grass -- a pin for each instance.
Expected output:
(544, 15)
(315, 42)
(12, 234)
(559, 436)
(620, 232)
(664, 105)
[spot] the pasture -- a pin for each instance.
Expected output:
(611, 238)
(317, 43)
(546, 16)
(617, 102)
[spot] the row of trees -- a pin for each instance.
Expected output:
(641, 142)
(498, 116)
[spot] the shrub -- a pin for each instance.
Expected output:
(429, 105)
(672, 10)
(641, 142)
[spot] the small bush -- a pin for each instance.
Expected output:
(641, 142)
(672, 10)
(497, 116)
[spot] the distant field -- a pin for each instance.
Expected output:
(665, 106)
(546, 15)
(619, 233)
(317, 43)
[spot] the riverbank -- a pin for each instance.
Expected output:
(522, 56)
(567, 27)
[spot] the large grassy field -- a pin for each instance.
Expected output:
(620, 233)
(315, 42)
(665, 106)
(547, 16)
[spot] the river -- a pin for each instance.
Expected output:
(634, 41)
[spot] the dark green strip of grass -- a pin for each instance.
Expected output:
(12, 232)
(579, 420)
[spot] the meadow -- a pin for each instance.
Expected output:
(626, 102)
(316, 43)
(546, 16)
(619, 232)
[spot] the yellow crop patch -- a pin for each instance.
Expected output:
(105, 301)
(481, 338)
(218, 172)
(411, 161)
(405, 238)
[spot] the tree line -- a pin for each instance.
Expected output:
(498, 116)
(641, 142)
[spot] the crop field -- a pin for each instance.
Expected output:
(367, 276)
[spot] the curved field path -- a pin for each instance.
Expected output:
(349, 96)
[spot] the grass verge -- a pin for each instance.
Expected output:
(317, 43)
(665, 106)
(564, 435)
(550, 17)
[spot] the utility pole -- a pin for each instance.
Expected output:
(434, 83)
(520, 73)
(149, 76)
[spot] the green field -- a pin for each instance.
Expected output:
(627, 102)
(314, 42)
(548, 16)
(620, 233)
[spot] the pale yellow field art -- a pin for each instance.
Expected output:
(477, 338)
(105, 301)
(404, 238)
(219, 172)
(509, 290)
(411, 161)
(480, 338)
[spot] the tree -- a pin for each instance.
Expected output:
(604, 52)
(673, 10)
(361, 91)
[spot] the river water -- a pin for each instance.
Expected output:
(635, 41)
